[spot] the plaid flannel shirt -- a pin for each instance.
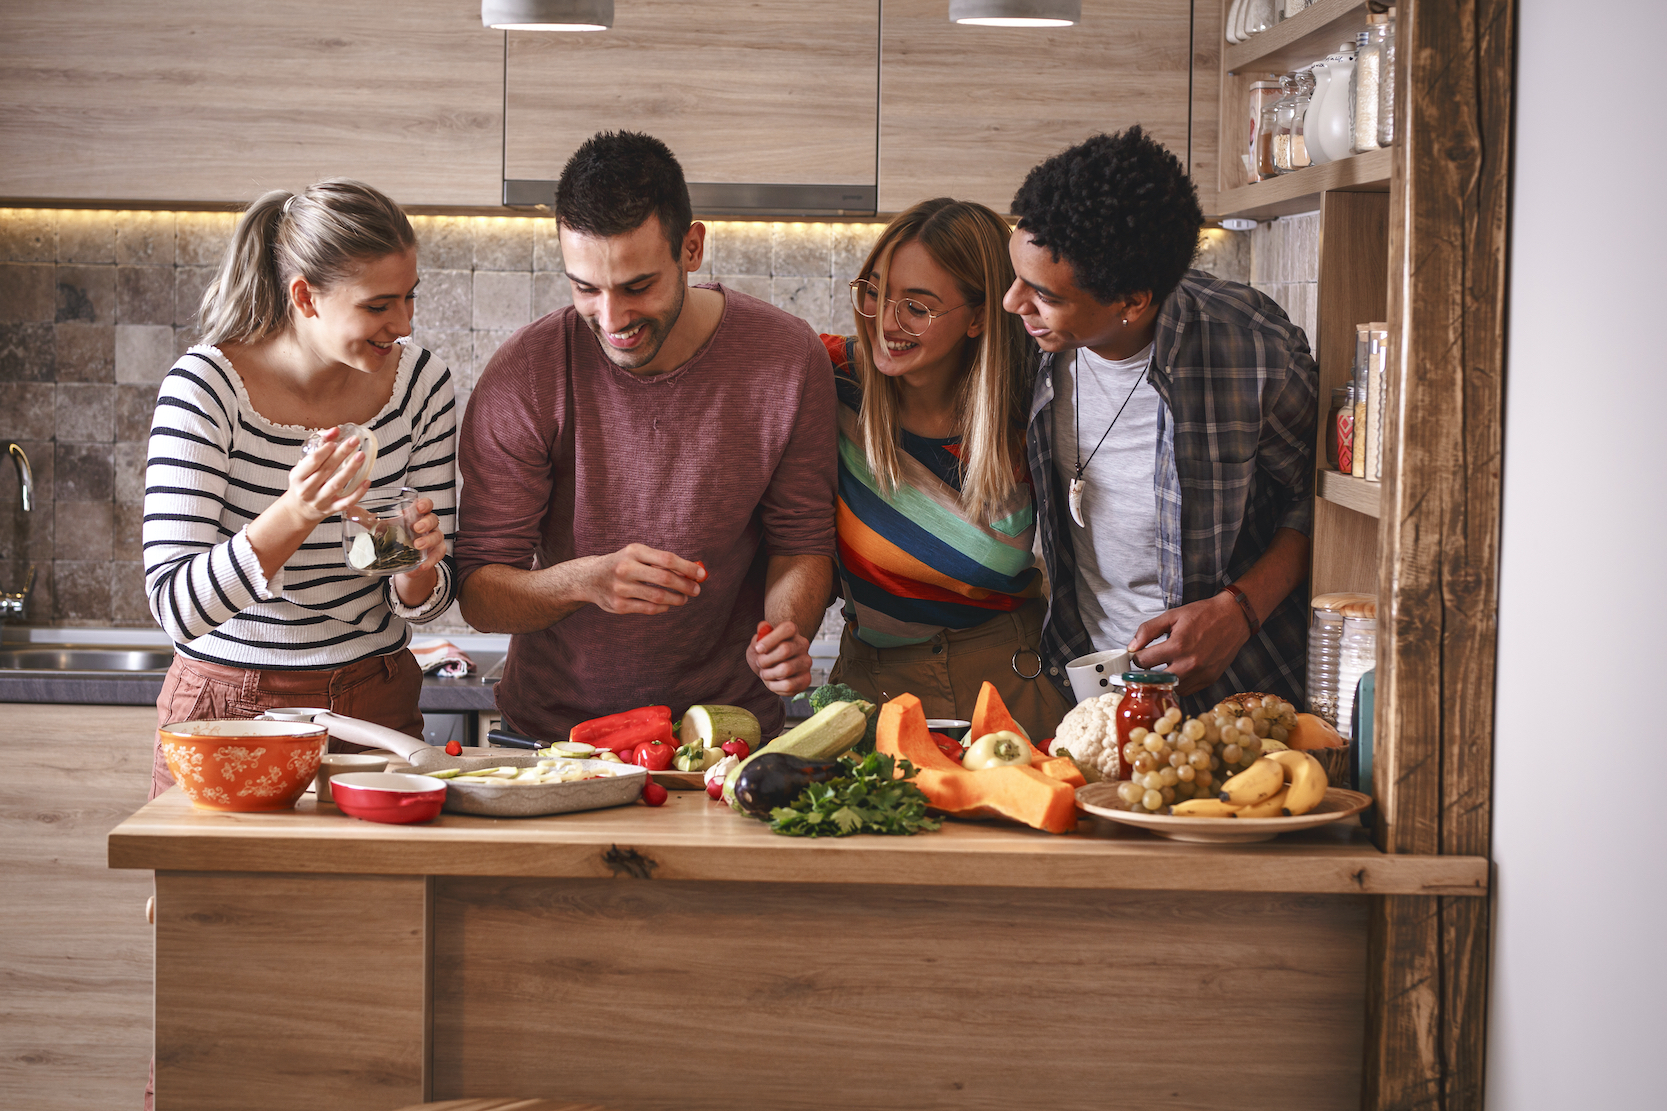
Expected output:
(1235, 461)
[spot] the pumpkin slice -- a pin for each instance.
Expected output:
(1313, 733)
(991, 714)
(1016, 792)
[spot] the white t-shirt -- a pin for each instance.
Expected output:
(1117, 547)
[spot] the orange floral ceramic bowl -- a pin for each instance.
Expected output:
(243, 765)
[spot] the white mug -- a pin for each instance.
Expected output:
(1097, 673)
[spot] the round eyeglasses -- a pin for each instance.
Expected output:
(912, 316)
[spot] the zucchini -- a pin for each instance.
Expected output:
(714, 726)
(832, 731)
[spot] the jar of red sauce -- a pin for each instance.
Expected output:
(1147, 696)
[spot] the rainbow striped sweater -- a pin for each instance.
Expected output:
(913, 564)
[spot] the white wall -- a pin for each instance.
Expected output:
(1580, 808)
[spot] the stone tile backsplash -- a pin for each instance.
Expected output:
(1285, 264)
(96, 305)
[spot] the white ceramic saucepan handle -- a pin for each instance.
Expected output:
(356, 731)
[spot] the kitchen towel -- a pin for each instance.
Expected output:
(442, 658)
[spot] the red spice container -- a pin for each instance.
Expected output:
(1344, 434)
(1147, 695)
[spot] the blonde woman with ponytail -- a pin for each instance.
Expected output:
(935, 518)
(304, 329)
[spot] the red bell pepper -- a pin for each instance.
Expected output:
(655, 755)
(597, 730)
(949, 746)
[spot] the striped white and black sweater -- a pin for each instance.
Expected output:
(215, 465)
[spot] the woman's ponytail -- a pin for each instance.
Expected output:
(322, 234)
(246, 299)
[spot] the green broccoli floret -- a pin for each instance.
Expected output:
(838, 692)
(832, 692)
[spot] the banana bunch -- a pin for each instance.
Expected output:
(1280, 784)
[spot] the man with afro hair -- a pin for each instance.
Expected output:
(1171, 435)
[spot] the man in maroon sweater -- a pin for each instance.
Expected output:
(648, 475)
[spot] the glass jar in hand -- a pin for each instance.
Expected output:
(1147, 696)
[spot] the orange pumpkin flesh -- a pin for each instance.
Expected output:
(991, 715)
(1314, 733)
(1022, 794)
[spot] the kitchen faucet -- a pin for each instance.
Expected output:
(17, 605)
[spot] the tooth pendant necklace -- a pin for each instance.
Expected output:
(1077, 481)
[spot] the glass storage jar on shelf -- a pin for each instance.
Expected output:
(1368, 70)
(1325, 642)
(1362, 364)
(1281, 129)
(1300, 158)
(1259, 162)
(1357, 654)
(1386, 85)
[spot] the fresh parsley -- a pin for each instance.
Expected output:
(865, 799)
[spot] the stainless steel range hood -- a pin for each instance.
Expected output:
(732, 198)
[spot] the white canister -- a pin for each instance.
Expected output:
(1334, 134)
(1311, 119)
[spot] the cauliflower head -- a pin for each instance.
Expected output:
(1088, 734)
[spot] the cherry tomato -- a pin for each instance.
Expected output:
(653, 794)
(654, 755)
(949, 746)
(453, 748)
(736, 748)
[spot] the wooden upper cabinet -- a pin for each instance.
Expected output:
(203, 100)
(741, 90)
(967, 111)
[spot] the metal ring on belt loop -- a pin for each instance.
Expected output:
(1014, 662)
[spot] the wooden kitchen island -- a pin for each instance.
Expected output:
(687, 957)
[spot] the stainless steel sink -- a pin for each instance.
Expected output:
(69, 657)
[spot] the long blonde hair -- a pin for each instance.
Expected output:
(322, 233)
(970, 242)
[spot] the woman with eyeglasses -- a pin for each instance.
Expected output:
(940, 584)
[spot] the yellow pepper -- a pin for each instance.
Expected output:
(998, 749)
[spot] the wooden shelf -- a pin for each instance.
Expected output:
(1306, 37)
(1300, 191)
(1351, 493)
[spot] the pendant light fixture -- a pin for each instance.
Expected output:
(547, 15)
(1016, 13)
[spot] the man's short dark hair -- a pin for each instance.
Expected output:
(1120, 209)
(616, 180)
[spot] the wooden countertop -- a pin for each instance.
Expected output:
(694, 838)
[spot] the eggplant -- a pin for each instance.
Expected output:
(775, 779)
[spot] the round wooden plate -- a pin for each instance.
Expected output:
(1100, 799)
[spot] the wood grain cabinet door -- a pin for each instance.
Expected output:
(967, 111)
(743, 91)
(201, 100)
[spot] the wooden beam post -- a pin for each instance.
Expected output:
(1439, 535)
